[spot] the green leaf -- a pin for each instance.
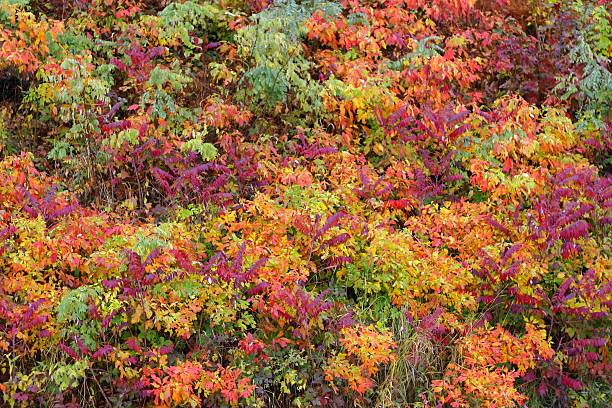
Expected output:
(73, 306)
(208, 151)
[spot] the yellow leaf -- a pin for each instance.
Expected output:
(137, 314)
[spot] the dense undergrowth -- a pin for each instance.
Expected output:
(377, 203)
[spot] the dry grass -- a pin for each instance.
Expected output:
(419, 360)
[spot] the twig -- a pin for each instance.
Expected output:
(101, 389)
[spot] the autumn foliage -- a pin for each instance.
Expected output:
(285, 203)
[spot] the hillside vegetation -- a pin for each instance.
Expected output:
(305, 203)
